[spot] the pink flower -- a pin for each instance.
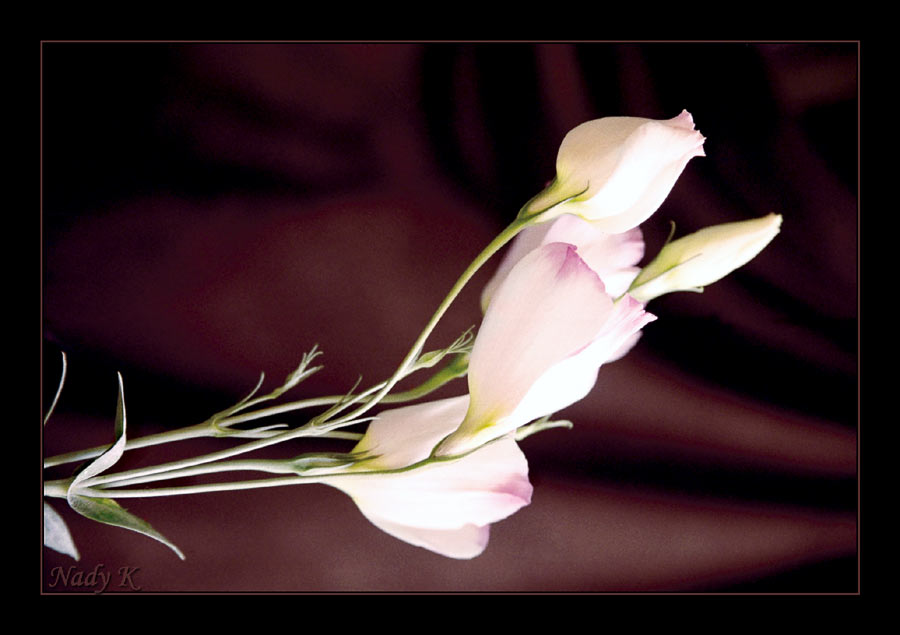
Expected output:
(548, 328)
(446, 506)
(617, 171)
(613, 257)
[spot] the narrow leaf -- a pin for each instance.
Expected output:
(56, 533)
(62, 380)
(235, 407)
(108, 511)
(115, 452)
(540, 425)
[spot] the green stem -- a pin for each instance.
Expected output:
(190, 432)
(207, 458)
(254, 465)
(206, 430)
(53, 487)
(314, 427)
(194, 489)
(493, 247)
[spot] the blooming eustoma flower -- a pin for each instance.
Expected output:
(617, 171)
(445, 506)
(549, 327)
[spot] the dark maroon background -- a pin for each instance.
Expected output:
(211, 211)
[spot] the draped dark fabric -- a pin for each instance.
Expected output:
(213, 210)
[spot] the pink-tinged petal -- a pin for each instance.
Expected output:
(480, 488)
(551, 306)
(464, 543)
(403, 436)
(647, 167)
(626, 346)
(573, 378)
(444, 505)
(612, 256)
(626, 320)
(684, 120)
(527, 241)
(618, 170)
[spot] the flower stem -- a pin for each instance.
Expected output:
(205, 429)
(207, 458)
(316, 427)
(256, 465)
(58, 488)
(195, 489)
(194, 432)
(190, 432)
(493, 247)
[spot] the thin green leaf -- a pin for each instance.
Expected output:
(299, 374)
(302, 372)
(56, 533)
(62, 380)
(115, 452)
(262, 378)
(108, 511)
(457, 367)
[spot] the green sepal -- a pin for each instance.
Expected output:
(62, 381)
(308, 462)
(461, 346)
(538, 208)
(108, 511)
(56, 533)
(540, 425)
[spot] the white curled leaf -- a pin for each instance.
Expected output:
(105, 510)
(57, 535)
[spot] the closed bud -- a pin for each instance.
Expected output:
(617, 171)
(699, 259)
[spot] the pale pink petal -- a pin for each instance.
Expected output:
(627, 319)
(403, 436)
(466, 542)
(684, 120)
(646, 168)
(550, 306)
(626, 346)
(482, 487)
(444, 505)
(573, 378)
(589, 153)
(611, 256)
(525, 242)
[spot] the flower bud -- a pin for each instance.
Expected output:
(696, 260)
(617, 171)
